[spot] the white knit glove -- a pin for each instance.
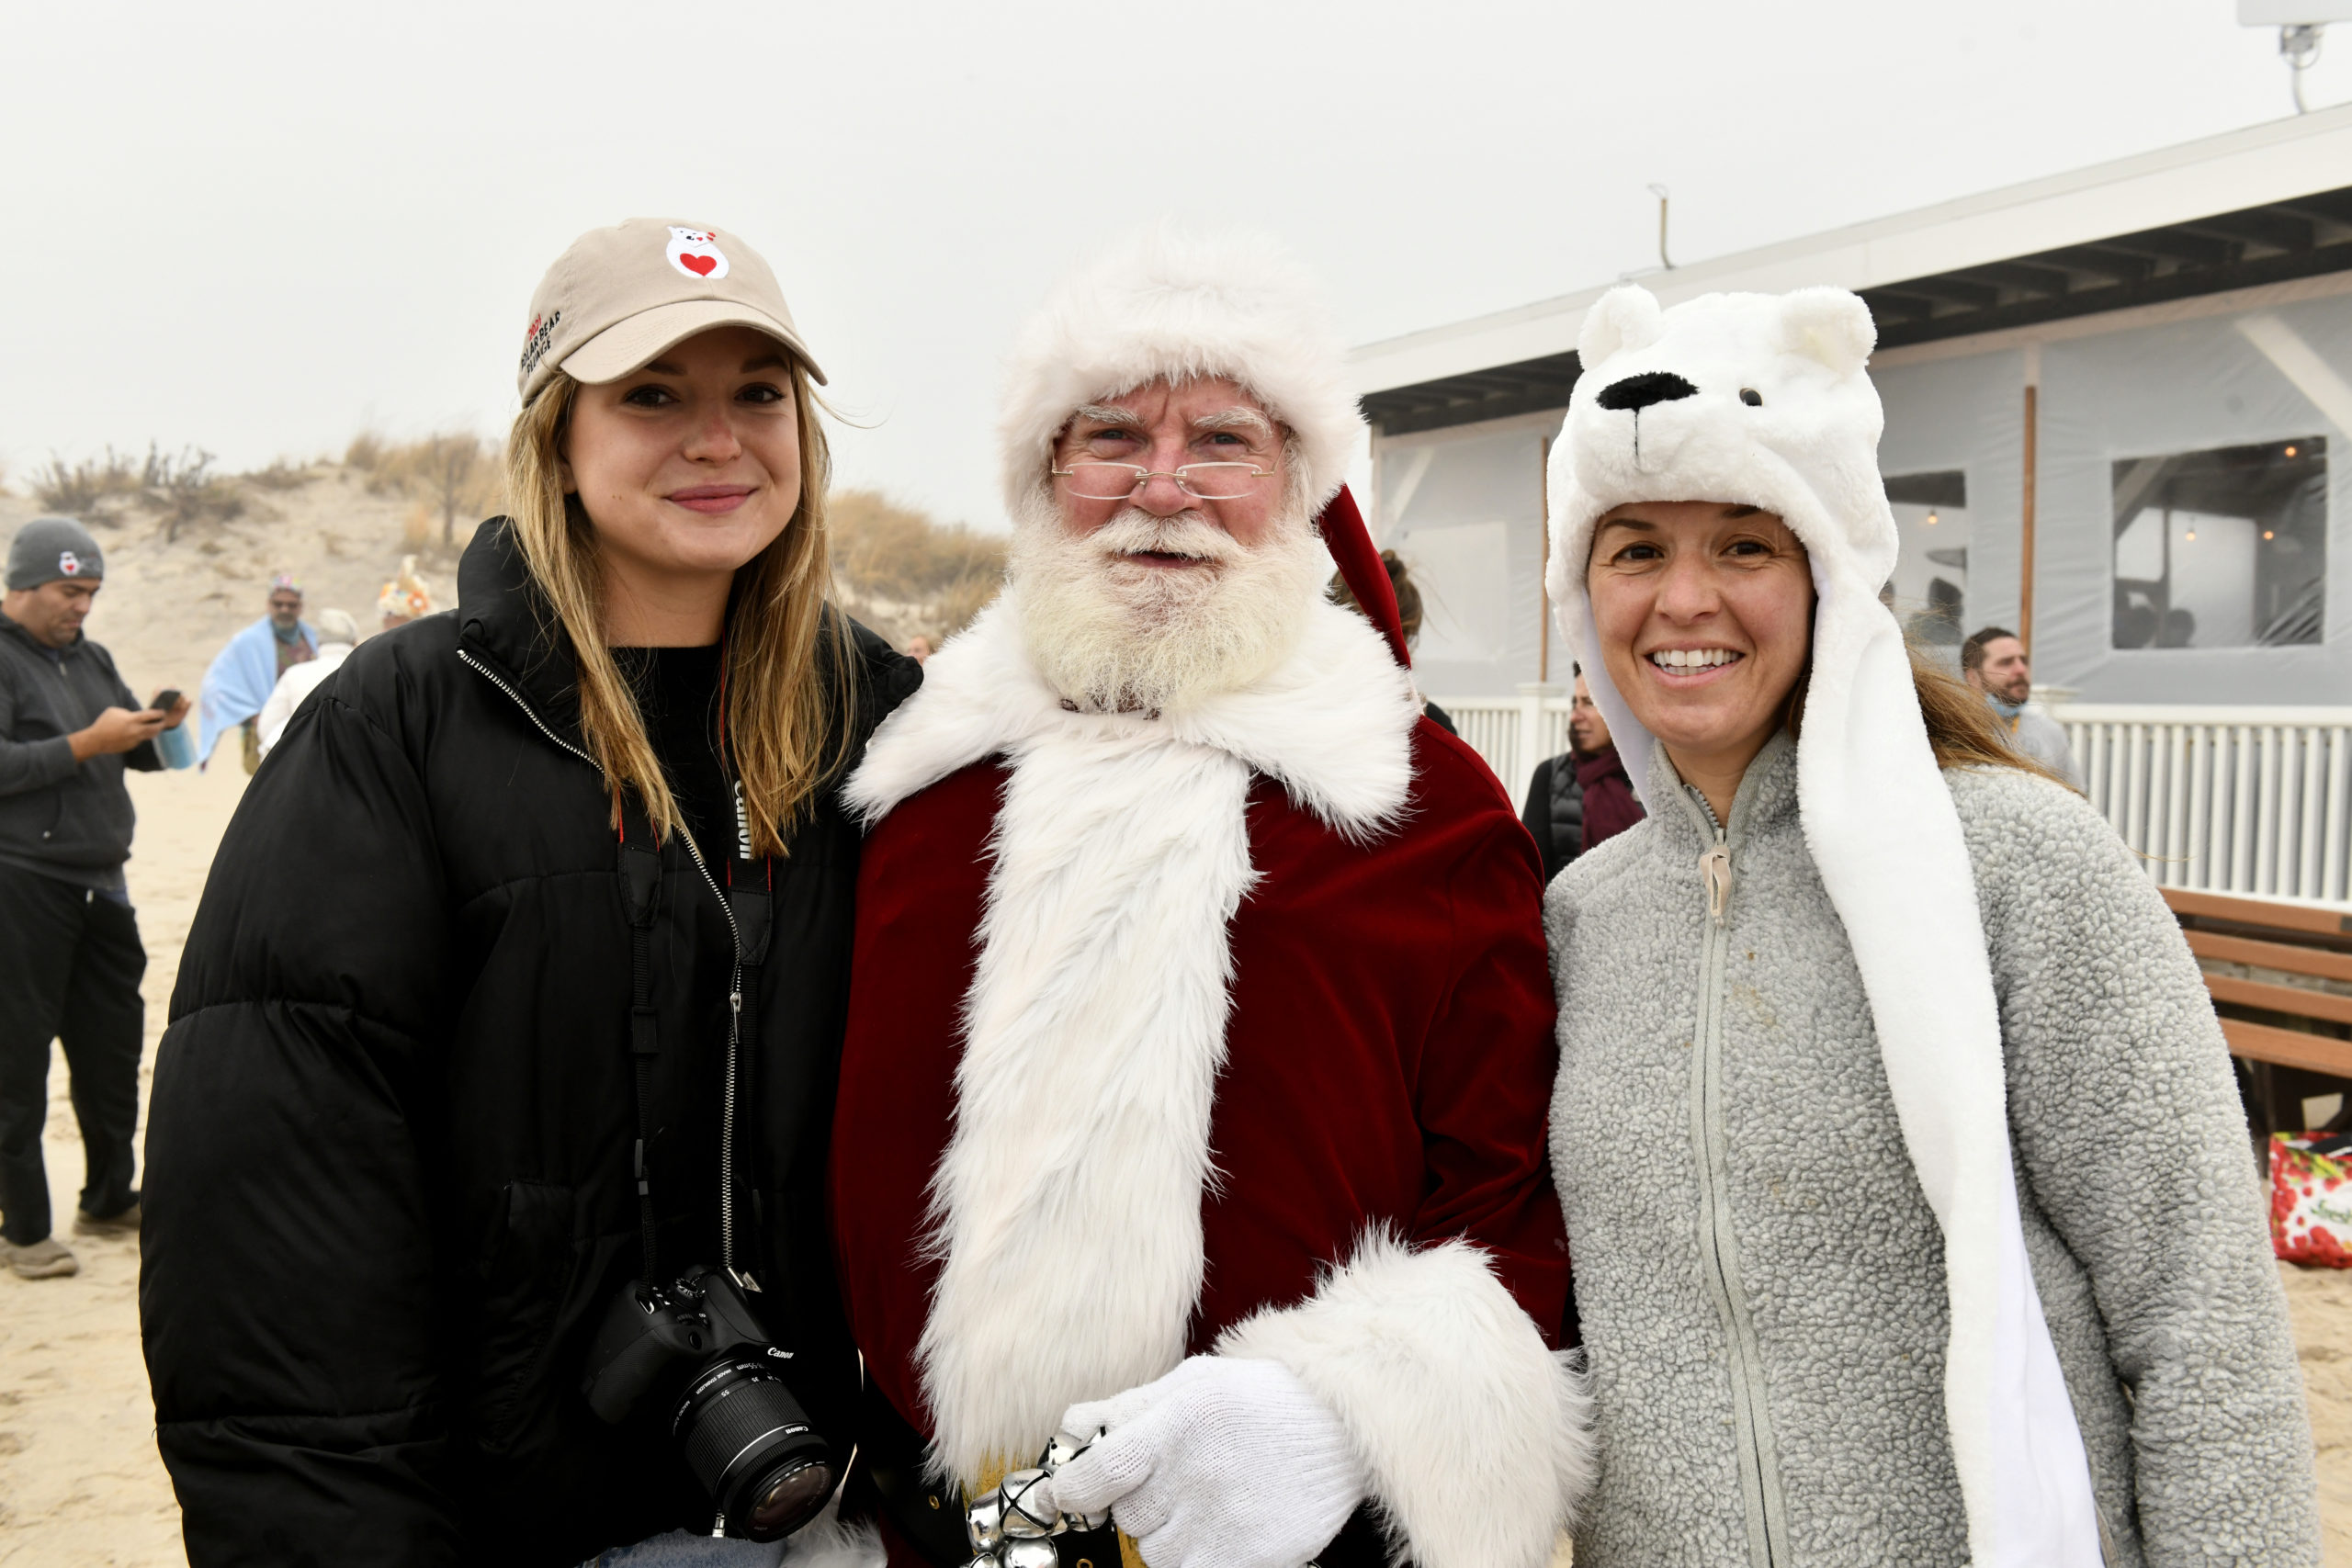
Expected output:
(1223, 1463)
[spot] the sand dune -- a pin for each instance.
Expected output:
(167, 608)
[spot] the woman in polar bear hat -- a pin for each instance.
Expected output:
(1902, 1160)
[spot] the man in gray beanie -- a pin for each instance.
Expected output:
(68, 727)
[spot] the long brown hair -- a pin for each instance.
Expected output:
(1961, 730)
(791, 677)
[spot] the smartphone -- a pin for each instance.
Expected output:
(165, 700)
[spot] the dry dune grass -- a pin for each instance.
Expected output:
(905, 574)
(190, 553)
(452, 474)
(175, 593)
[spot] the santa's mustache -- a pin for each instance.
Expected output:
(1134, 531)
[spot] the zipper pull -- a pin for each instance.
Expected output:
(1714, 871)
(735, 1003)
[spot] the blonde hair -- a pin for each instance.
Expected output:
(791, 677)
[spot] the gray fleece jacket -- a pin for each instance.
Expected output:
(1758, 1275)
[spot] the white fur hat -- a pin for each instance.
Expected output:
(1763, 401)
(1165, 302)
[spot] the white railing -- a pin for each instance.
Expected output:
(1513, 733)
(2248, 800)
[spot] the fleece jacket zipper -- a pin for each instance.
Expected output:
(1751, 1418)
(734, 996)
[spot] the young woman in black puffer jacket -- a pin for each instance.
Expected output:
(392, 1146)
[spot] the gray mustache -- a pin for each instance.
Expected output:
(1186, 534)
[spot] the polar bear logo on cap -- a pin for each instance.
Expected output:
(696, 253)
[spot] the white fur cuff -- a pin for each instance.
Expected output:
(1478, 1439)
(829, 1543)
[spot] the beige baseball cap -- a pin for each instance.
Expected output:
(620, 296)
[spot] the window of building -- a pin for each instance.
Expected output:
(2223, 547)
(1931, 583)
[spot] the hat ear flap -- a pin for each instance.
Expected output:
(1831, 326)
(1623, 320)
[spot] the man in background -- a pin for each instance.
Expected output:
(245, 672)
(1994, 662)
(338, 634)
(1582, 796)
(918, 648)
(70, 955)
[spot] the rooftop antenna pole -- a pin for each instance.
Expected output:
(1659, 192)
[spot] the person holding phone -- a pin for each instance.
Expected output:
(68, 727)
(505, 1038)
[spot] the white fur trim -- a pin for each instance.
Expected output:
(1878, 818)
(1478, 1440)
(826, 1542)
(1333, 723)
(1162, 302)
(1067, 1209)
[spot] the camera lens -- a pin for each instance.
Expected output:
(748, 1443)
(789, 1497)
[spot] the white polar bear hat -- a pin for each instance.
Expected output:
(1762, 401)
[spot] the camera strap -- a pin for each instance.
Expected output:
(641, 877)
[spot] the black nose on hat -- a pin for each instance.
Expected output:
(1638, 392)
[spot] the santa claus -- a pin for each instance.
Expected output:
(1193, 1093)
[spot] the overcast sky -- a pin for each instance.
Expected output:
(259, 228)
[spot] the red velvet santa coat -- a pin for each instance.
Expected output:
(1228, 1030)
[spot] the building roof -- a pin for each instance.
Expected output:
(2260, 205)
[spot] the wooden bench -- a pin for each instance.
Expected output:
(2291, 940)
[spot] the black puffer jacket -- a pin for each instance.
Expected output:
(389, 1190)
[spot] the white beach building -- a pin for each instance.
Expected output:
(2119, 421)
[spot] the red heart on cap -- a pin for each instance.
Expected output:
(699, 265)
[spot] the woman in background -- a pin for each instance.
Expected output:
(1409, 614)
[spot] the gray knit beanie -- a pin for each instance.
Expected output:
(48, 548)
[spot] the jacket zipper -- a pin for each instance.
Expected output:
(734, 995)
(1751, 1419)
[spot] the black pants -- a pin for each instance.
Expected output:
(70, 966)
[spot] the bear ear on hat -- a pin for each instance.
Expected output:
(1623, 320)
(1829, 325)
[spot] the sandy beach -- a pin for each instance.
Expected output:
(80, 1483)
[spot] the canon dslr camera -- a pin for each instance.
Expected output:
(698, 1346)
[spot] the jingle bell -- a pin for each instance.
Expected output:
(1028, 1515)
(984, 1523)
(1028, 1554)
(1063, 1448)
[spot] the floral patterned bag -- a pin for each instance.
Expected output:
(2311, 1198)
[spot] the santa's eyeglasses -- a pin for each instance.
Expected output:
(1202, 481)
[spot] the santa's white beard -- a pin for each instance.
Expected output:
(1118, 635)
